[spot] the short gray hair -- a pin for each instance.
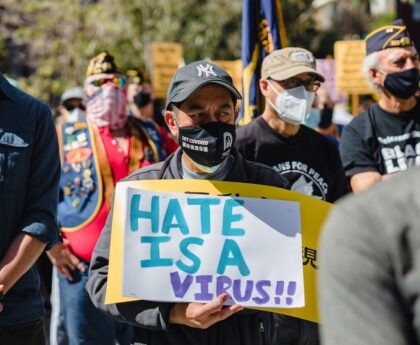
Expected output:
(371, 62)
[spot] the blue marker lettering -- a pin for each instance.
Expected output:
(136, 213)
(196, 262)
(204, 211)
(155, 259)
(229, 218)
(231, 247)
(174, 212)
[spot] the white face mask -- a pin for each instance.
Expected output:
(76, 115)
(292, 105)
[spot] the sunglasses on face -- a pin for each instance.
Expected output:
(310, 85)
(71, 107)
(118, 82)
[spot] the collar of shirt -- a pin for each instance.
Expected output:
(7, 90)
(220, 174)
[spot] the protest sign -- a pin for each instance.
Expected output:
(327, 68)
(196, 247)
(348, 56)
(234, 68)
(313, 214)
(166, 58)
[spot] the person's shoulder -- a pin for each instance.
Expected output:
(361, 120)
(25, 104)
(150, 172)
(250, 129)
(394, 195)
(308, 131)
(262, 174)
(319, 139)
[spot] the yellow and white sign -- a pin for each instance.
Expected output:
(166, 59)
(348, 56)
(234, 68)
(313, 213)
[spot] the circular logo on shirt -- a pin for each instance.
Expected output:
(303, 179)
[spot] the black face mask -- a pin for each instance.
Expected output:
(403, 84)
(141, 99)
(207, 144)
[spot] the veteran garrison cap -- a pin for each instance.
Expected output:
(101, 63)
(190, 78)
(389, 36)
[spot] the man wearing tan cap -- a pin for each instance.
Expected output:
(306, 158)
(277, 138)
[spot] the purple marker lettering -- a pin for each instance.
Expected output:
(291, 290)
(279, 291)
(204, 294)
(180, 288)
(265, 297)
(237, 290)
(223, 283)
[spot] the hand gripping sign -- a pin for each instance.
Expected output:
(196, 239)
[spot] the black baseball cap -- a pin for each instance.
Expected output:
(190, 78)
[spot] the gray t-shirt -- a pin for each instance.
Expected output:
(369, 278)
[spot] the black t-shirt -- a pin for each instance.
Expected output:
(309, 161)
(380, 141)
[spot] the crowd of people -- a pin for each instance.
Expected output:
(57, 183)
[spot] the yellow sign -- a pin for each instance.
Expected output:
(234, 68)
(166, 58)
(349, 56)
(313, 213)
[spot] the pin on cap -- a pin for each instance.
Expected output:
(389, 36)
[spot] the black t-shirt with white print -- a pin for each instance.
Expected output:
(309, 161)
(380, 141)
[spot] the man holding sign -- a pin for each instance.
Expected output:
(200, 113)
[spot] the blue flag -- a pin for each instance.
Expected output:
(263, 31)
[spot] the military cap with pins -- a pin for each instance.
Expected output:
(389, 36)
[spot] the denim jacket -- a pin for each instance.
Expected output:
(29, 175)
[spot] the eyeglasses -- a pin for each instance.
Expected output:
(71, 107)
(310, 85)
(118, 82)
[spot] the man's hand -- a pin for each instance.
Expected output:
(64, 260)
(1, 297)
(200, 315)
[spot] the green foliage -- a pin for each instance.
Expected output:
(383, 20)
(61, 36)
(49, 42)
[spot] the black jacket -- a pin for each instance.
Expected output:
(151, 318)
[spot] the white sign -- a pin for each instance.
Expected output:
(191, 247)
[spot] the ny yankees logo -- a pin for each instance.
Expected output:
(207, 70)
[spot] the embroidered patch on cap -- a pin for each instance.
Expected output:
(302, 57)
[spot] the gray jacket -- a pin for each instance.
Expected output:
(151, 318)
(369, 281)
